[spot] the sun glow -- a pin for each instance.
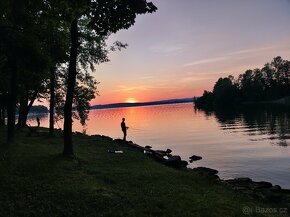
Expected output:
(131, 100)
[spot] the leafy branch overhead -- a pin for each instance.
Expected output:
(40, 38)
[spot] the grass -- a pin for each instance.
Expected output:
(36, 180)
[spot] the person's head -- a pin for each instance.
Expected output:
(123, 119)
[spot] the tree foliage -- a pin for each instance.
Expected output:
(268, 83)
(38, 38)
(90, 23)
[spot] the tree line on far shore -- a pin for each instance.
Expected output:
(48, 49)
(271, 82)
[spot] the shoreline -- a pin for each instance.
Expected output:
(257, 189)
(163, 157)
(107, 173)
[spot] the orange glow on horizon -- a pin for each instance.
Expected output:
(116, 96)
(131, 100)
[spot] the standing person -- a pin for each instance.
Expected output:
(38, 122)
(124, 128)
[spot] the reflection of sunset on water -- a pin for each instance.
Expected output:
(236, 147)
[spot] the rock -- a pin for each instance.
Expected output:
(174, 161)
(160, 152)
(183, 163)
(148, 147)
(261, 185)
(155, 155)
(205, 171)
(194, 158)
(244, 179)
(168, 151)
(174, 158)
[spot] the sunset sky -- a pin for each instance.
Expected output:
(185, 46)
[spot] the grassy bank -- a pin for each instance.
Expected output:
(35, 180)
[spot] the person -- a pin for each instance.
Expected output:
(124, 128)
(38, 121)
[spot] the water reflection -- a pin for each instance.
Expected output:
(43, 117)
(247, 142)
(269, 122)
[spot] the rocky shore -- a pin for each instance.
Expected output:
(262, 190)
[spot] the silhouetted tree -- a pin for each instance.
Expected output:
(225, 91)
(270, 82)
(205, 101)
(20, 44)
(98, 19)
(85, 91)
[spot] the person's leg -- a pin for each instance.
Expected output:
(125, 134)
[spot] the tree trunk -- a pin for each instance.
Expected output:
(72, 73)
(24, 109)
(11, 105)
(2, 116)
(22, 116)
(3, 109)
(52, 101)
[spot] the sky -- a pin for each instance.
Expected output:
(183, 48)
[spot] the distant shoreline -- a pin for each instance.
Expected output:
(122, 105)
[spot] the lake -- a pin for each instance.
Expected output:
(252, 142)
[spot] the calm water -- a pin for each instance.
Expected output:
(250, 143)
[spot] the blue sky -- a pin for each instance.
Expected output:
(185, 46)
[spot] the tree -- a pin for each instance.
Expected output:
(31, 86)
(20, 44)
(225, 91)
(205, 101)
(103, 17)
(269, 83)
(85, 91)
(3, 89)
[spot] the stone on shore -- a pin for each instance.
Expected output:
(206, 171)
(262, 190)
(194, 158)
(175, 161)
(261, 185)
(168, 151)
